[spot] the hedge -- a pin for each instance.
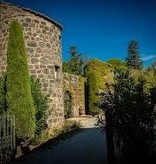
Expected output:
(19, 98)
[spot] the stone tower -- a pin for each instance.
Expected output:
(43, 45)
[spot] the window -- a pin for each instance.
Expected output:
(57, 72)
(59, 37)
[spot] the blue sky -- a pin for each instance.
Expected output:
(102, 29)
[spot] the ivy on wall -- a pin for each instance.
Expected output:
(98, 75)
(102, 70)
(117, 63)
(75, 86)
(81, 91)
(92, 93)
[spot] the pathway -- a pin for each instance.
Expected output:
(85, 147)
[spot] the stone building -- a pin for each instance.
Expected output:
(43, 44)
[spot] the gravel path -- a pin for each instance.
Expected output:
(85, 147)
(86, 121)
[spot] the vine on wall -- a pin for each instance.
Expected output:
(98, 75)
(75, 86)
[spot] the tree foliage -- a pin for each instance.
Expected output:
(75, 64)
(152, 67)
(98, 74)
(19, 98)
(116, 63)
(102, 70)
(133, 59)
(66, 67)
(41, 105)
(131, 116)
(93, 99)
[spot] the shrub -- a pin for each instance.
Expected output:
(41, 105)
(2, 93)
(130, 116)
(93, 98)
(117, 64)
(68, 128)
(70, 125)
(103, 72)
(99, 75)
(19, 98)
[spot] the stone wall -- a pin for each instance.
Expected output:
(75, 86)
(43, 45)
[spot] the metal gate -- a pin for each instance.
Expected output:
(7, 138)
(67, 105)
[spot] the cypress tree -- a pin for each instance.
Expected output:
(133, 59)
(19, 98)
(92, 94)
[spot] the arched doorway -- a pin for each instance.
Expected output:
(67, 105)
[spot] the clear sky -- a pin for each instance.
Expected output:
(102, 29)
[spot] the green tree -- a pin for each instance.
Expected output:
(75, 64)
(130, 116)
(41, 105)
(66, 67)
(133, 59)
(98, 75)
(116, 63)
(152, 67)
(93, 98)
(19, 98)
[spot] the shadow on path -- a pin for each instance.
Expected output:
(85, 147)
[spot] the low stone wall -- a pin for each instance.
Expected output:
(75, 86)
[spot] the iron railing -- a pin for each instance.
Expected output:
(7, 137)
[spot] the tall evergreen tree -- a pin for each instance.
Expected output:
(75, 64)
(133, 59)
(19, 98)
(93, 99)
(153, 67)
